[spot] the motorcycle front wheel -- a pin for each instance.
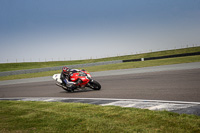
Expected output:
(95, 85)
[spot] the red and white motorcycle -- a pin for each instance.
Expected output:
(84, 78)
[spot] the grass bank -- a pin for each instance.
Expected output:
(32, 65)
(126, 65)
(19, 116)
(140, 64)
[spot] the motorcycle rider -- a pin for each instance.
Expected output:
(65, 76)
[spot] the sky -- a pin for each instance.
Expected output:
(50, 30)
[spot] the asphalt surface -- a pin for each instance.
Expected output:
(182, 85)
(165, 83)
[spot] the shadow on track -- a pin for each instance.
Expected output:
(78, 91)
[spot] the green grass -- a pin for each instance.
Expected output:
(126, 65)
(20, 116)
(32, 65)
(140, 64)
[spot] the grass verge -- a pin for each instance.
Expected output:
(148, 63)
(20, 116)
(32, 65)
(126, 65)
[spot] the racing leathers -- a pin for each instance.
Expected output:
(66, 77)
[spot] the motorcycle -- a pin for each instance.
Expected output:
(80, 80)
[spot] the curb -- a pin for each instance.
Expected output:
(180, 107)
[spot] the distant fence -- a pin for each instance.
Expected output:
(162, 57)
(56, 68)
(91, 64)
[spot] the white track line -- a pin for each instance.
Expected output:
(111, 99)
(132, 103)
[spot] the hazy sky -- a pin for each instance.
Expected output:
(33, 30)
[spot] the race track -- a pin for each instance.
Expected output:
(171, 85)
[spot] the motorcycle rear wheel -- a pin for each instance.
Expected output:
(95, 85)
